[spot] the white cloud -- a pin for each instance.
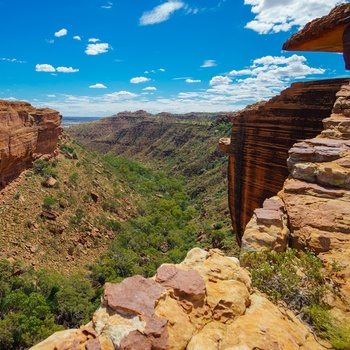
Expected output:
(96, 49)
(61, 32)
(66, 70)
(50, 69)
(138, 80)
(51, 96)
(188, 94)
(161, 69)
(108, 6)
(273, 16)
(44, 68)
(191, 81)
(15, 60)
(278, 68)
(50, 41)
(161, 13)
(220, 80)
(150, 88)
(77, 37)
(209, 63)
(119, 95)
(97, 86)
(93, 40)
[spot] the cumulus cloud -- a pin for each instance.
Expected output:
(77, 37)
(138, 80)
(278, 68)
(161, 13)
(150, 88)
(161, 69)
(93, 40)
(61, 32)
(98, 86)
(66, 70)
(220, 80)
(209, 63)
(266, 77)
(96, 49)
(45, 68)
(191, 81)
(273, 16)
(48, 68)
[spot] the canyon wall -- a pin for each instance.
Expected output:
(262, 135)
(26, 134)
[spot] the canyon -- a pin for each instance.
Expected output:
(288, 187)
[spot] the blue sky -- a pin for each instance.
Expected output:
(98, 57)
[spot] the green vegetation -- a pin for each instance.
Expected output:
(113, 217)
(299, 280)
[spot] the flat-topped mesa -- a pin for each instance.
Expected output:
(262, 134)
(26, 134)
(330, 33)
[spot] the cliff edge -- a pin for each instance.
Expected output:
(26, 134)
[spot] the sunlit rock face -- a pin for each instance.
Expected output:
(26, 133)
(330, 33)
(316, 194)
(262, 135)
(206, 302)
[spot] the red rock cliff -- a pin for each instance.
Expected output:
(261, 137)
(26, 133)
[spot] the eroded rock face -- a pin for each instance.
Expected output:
(205, 302)
(316, 200)
(322, 34)
(262, 135)
(26, 133)
(268, 227)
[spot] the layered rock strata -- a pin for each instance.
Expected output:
(206, 302)
(262, 134)
(26, 133)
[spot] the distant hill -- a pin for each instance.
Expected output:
(184, 145)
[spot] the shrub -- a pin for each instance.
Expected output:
(49, 202)
(299, 281)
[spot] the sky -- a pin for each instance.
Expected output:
(100, 57)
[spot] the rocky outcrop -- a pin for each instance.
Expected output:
(316, 195)
(262, 134)
(26, 133)
(329, 33)
(206, 302)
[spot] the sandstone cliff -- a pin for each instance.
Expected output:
(312, 211)
(206, 302)
(261, 137)
(330, 33)
(26, 134)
